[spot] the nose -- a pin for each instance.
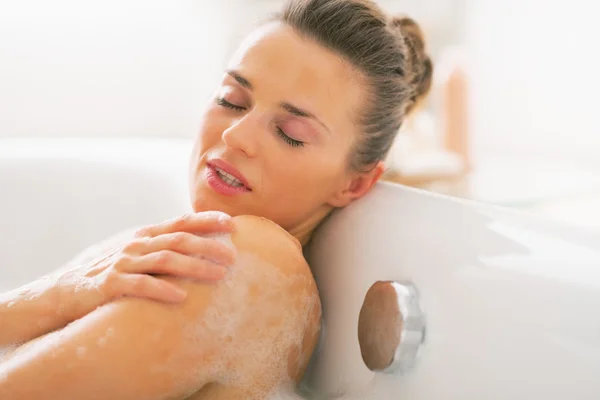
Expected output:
(243, 135)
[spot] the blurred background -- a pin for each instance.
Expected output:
(511, 119)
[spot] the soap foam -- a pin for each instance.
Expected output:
(4, 351)
(241, 301)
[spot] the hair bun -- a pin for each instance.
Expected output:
(418, 62)
(411, 30)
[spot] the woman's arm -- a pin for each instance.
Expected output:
(39, 307)
(120, 266)
(29, 311)
(248, 333)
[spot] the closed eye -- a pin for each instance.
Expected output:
(292, 142)
(224, 103)
(289, 140)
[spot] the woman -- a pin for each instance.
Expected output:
(216, 307)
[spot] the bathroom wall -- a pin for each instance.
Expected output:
(535, 80)
(108, 68)
(135, 67)
(131, 67)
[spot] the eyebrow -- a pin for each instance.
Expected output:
(301, 113)
(286, 106)
(240, 79)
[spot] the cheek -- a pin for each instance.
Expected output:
(208, 136)
(312, 175)
(211, 127)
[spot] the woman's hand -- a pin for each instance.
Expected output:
(173, 248)
(182, 247)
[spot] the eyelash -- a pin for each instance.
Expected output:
(287, 139)
(292, 142)
(224, 103)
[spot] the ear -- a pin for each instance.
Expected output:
(359, 184)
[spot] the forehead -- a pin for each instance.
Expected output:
(283, 66)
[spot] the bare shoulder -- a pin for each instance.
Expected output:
(274, 308)
(263, 236)
(283, 284)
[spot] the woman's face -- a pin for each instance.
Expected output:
(275, 138)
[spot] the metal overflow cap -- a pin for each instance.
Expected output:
(391, 326)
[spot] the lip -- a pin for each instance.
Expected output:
(230, 169)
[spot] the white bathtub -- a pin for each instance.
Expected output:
(511, 302)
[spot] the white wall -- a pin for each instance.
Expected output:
(536, 78)
(110, 67)
(127, 67)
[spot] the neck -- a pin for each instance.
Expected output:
(305, 229)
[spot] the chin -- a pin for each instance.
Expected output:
(201, 203)
(206, 200)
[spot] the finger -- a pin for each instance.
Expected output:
(191, 245)
(166, 262)
(201, 223)
(146, 286)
